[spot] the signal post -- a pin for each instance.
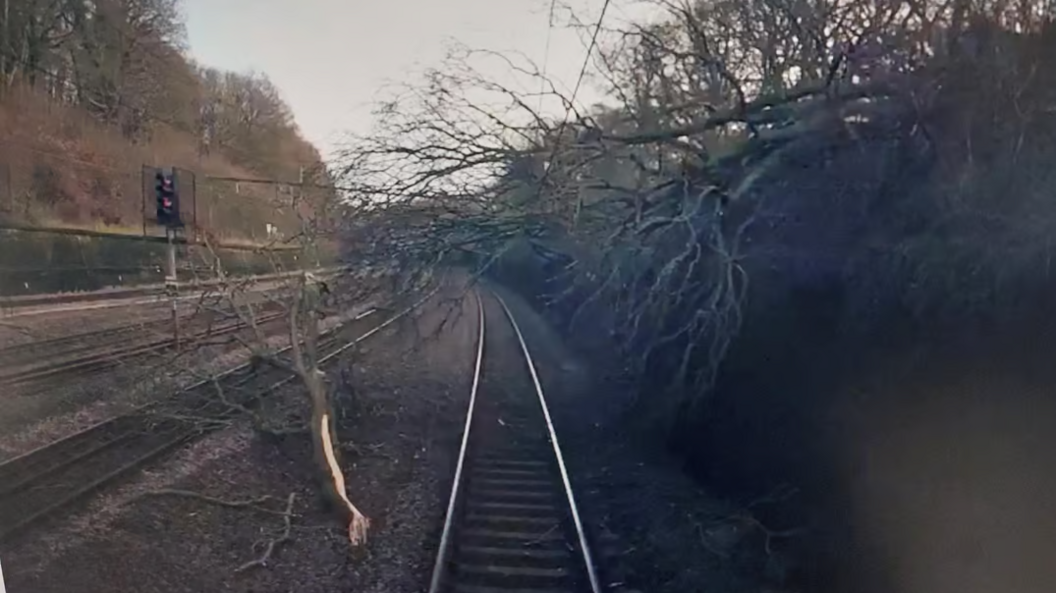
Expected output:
(167, 197)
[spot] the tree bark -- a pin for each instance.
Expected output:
(324, 449)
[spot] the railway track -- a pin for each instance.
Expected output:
(12, 304)
(35, 485)
(204, 312)
(92, 352)
(75, 343)
(512, 524)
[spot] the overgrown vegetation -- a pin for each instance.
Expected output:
(92, 91)
(775, 196)
(888, 158)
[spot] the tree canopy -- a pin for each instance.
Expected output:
(765, 144)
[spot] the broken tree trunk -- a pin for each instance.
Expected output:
(324, 450)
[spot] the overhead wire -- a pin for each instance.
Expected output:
(586, 59)
(57, 79)
(575, 91)
(546, 51)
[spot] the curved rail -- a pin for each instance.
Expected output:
(68, 345)
(521, 476)
(102, 358)
(445, 537)
(103, 452)
(77, 466)
(17, 306)
(592, 574)
(75, 441)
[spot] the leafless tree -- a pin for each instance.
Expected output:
(281, 328)
(651, 207)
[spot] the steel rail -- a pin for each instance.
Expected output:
(592, 573)
(444, 552)
(120, 434)
(34, 305)
(103, 359)
(146, 406)
(24, 348)
(385, 324)
(79, 342)
(463, 487)
(220, 376)
(170, 438)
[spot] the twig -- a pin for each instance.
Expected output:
(704, 541)
(541, 537)
(16, 327)
(250, 503)
(780, 494)
(287, 519)
(770, 534)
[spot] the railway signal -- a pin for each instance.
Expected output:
(168, 198)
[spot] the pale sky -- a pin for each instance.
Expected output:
(330, 58)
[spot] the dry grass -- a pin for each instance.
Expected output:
(60, 167)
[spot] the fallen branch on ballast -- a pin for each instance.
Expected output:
(287, 518)
(25, 331)
(250, 503)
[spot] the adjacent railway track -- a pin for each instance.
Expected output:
(13, 304)
(35, 485)
(204, 309)
(512, 523)
(76, 343)
(92, 352)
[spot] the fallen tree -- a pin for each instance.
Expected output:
(775, 191)
(281, 329)
(650, 216)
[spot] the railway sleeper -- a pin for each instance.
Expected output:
(463, 588)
